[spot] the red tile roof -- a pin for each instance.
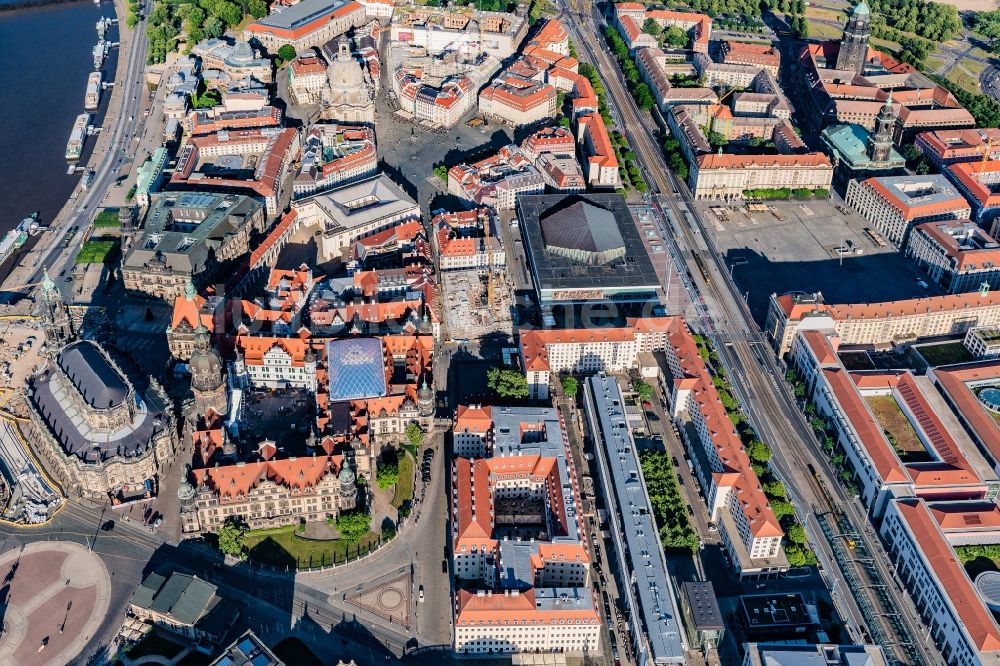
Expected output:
(951, 575)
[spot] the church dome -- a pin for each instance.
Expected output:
(242, 52)
(344, 73)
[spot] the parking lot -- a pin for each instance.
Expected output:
(793, 246)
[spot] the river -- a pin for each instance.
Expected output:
(46, 57)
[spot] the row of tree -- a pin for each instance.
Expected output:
(669, 508)
(931, 20)
(983, 108)
(640, 91)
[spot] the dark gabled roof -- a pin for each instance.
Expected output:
(100, 384)
(182, 597)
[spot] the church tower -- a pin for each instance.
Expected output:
(854, 44)
(208, 384)
(880, 141)
(55, 318)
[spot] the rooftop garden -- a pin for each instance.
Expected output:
(897, 429)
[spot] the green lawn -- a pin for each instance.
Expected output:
(964, 80)
(945, 353)
(107, 219)
(819, 30)
(282, 547)
(154, 643)
(95, 251)
(404, 486)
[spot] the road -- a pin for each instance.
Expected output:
(123, 130)
(757, 378)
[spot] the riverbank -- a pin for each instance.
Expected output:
(67, 215)
(14, 5)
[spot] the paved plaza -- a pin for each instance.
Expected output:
(390, 599)
(54, 598)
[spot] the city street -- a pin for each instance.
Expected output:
(756, 376)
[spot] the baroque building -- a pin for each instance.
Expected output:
(348, 97)
(100, 431)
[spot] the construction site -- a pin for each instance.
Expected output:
(467, 311)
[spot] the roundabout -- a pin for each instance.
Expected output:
(54, 596)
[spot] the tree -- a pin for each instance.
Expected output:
(352, 525)
(214, 27)
(570, 386)
(507, 383)
(651, 27)
(257, 8)
(643, 390)
(759, 451)
(388, 470)
(796, 533)
(782, 508)
(775, 489)
(232, 537)
(675, 36)
(286, 53)
(414, 434)
(643, 97)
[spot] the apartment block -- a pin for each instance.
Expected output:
(895, 204)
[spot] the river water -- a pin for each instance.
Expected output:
(46, 57)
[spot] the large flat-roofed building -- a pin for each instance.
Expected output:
(749, 529)
(548, 352)
(944, 147)
(585, 248)
(880, 325)
(252, 161)
(894, 205)
(516, 536)
(459, 29)
(190, 237)
(345, 214)
(335, 155)
(820, 654)
(961, 386)
(654, 619)
(716, 176)
(957, 620)
(983, 342)
(958, 256)
(927, 456)
(979, 182)
(307, 24)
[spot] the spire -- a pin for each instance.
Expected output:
(189, 291)
(47, 284)
(888, 101)
(861, 9)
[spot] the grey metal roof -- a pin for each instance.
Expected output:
(582, 226)
(704, 606)
(94, 377)
(299, 14)
(651, 600)
(356, 369)
(362, 203)
(183, 597)
(71, 427)
(183, 228)
(633, 273)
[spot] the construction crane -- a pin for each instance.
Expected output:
(489, 261)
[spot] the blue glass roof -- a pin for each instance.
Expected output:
(356, 369)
